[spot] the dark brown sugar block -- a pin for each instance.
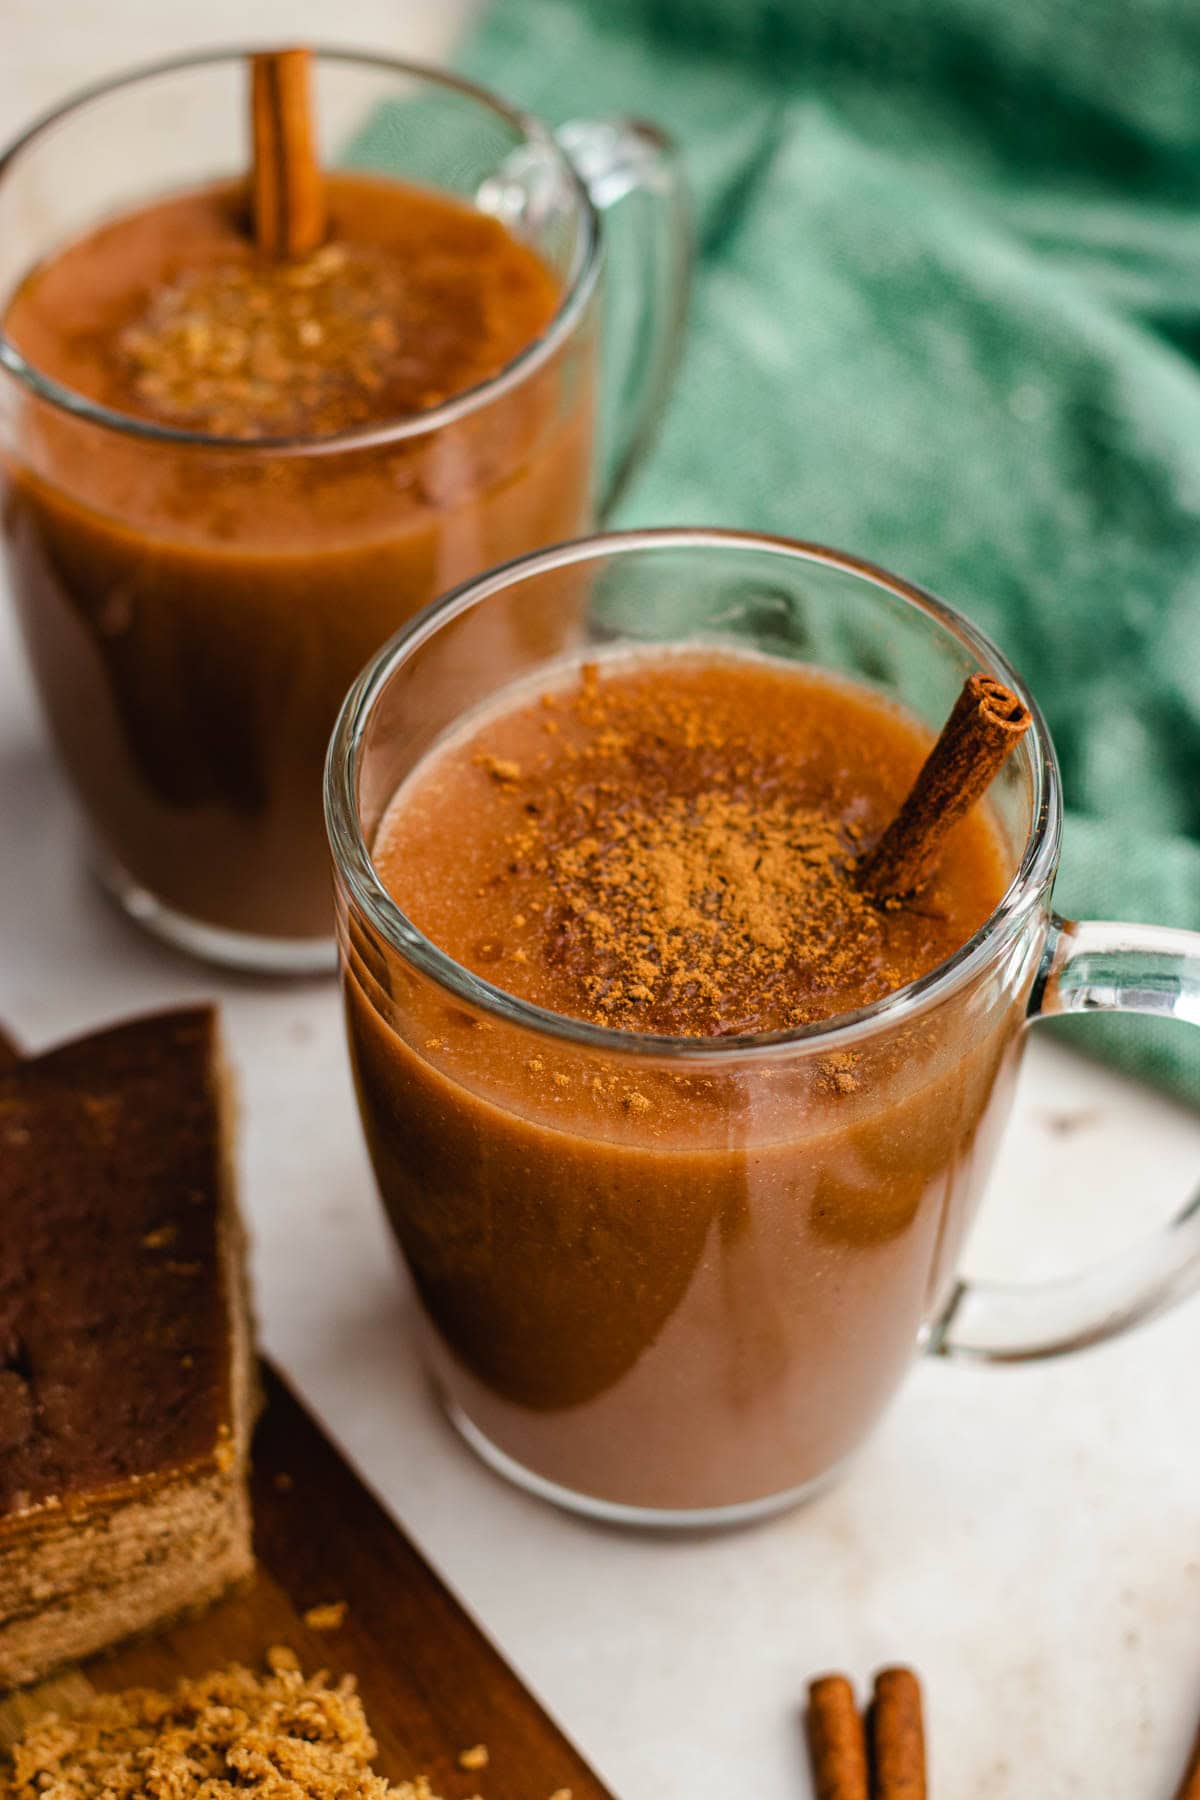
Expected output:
(431, 1683)
(125, 1348)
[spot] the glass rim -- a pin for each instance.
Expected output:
(580, 282)
(354, 866)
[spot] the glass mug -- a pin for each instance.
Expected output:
(695, 1321)
(195, 607)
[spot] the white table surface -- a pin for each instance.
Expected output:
(1030, 1538)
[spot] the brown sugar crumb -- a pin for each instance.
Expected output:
(104, 1110)
(329, 1617)
(636, 1103)
(500, 768)
(684, 853)
(838, 1073)
(231, 1735)
(262, 349)
(161, 1238)
(474, 1758)
(690, 891)
(282, 1482)
(561, 1794)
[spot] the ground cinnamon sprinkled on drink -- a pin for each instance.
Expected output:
(231, 1735)
(691, 893)
(351, 333)
(838, 1072)
(683, 856)
(255, 348)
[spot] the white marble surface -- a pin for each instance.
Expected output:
(1030, 1538)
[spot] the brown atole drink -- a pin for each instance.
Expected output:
(249, 425)
(686, 988)
(194, 617)
(645, 1283)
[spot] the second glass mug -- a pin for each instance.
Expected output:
(196, 607)
(691, 1312)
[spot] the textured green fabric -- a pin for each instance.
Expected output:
(948, 316)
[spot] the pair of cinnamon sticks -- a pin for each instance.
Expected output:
(881, 1757)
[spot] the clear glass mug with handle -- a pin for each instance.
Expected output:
(195, 606)
(691, 1310)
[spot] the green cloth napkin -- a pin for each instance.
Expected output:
(947, 315)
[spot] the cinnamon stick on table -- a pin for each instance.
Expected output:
(986, 725)
(287, 187)
(836, 1740)
(897, 1732)
(1189, 1788)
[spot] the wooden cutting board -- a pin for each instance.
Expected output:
(431, 1682)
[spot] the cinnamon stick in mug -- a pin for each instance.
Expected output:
(287, 189)
(986, 725)
(836, 1740)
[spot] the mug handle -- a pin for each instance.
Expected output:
(1091, 968)
(631, 168)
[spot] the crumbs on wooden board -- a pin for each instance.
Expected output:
(227, 1735)
(329, 1616)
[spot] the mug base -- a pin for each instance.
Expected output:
(245, 951)
(612, 1512)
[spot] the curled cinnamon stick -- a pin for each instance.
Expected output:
(287, 188)
(986, 725)
(836, 1740)
(897, 1731)
(1189, 1788)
